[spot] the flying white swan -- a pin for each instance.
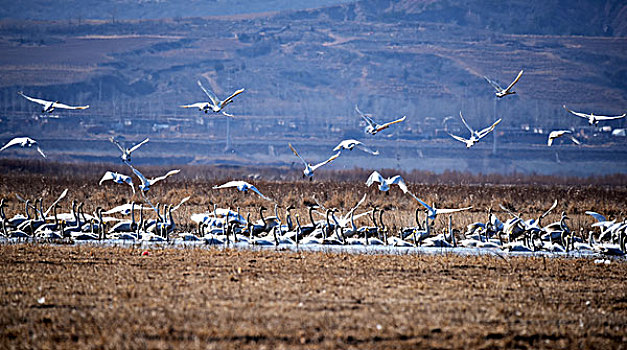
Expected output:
(117, 178)
(350, 144)
(214, 104)
(242, 186)
(23, 142)
(500, 92)
(126, 152)
(146, 183)
(373, 128)
(592, 118)
(432, 212)
(50, 106)
(559, 133)
(475, 136)
(384, 184)
(310, 168)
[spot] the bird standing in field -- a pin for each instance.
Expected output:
(126, 152)
(117, 178)
(214, 104)
(310, 168)
(592, 118)
(23, 142)
(373, 127)
(49, 106)
(242, 186)
(500, 92)
(475, 136)
(559, 133)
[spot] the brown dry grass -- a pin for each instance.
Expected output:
(197, 298)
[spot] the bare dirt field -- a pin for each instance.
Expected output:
(79, 296)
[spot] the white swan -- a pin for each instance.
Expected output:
(432, 212)
(559, 133)
(215, 105)
(500, 92)
(117, 178)
(126, 152)
(384, 184)
(23, 142)
(350, 144)
(592, 118)
(242, 186)
(50, 106)
(475, 136)
(310, 168)
(373, 127)
(146, 183)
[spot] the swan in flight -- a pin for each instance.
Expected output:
(592, 118)
(117, 178)
(350, 144)
(126, 152)
(500, 92)
(384, 184)
(559, 133)
(146, 183)
(432, 212)
(23, 142)
(373, 128)
(475, 136)
(242, 186)
(214, 104)
(310, 168)
(50, 106)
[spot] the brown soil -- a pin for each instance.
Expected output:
(207, 298)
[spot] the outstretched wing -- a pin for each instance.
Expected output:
(466, 124)
(138, 145)
(259, 193)
(606, 117)
(41, 152)
(296, 153)
(181, 203)
(387, 125)
(15, 141)
(494, 84)
(63, 194)
(106, 177)
(210, 94)
(398, 180)
(64, 106)
(448, 211)
(374, 177)
(366, 117)
(458, 138)
(141, 176)
(199, 105)
(432, 211)
(368, 150)
(599, 217)
(168, 174)
(548, 211)
(489, 129)
(515, 80)
(115, 142)
(36, 100)
(230, 98)
(581, 115)
(227, 185)
(575, 141)
(332, 158)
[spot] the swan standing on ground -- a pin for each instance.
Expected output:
(350, 144)
(50, 106)
(432, 212)
(475, 136)
(215, 105)
(373, 128)
(126, 152)
(242, 186)
(592, 118)
(559, 133)
(310, 168)
(500, 92)
(384, 184)
(146, 183)
(23, 142)
(117, 178)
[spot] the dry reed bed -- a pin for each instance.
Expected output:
(206, 298)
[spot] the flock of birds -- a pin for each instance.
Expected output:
(225, 226)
